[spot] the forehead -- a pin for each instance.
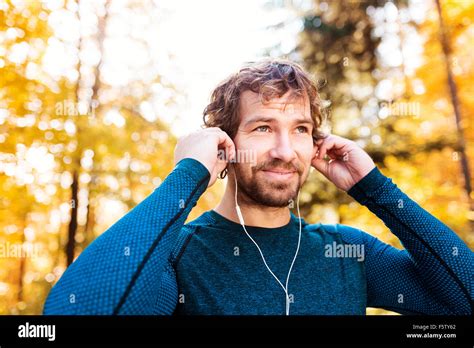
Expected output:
(250, 102)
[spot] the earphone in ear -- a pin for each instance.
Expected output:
(242, 222)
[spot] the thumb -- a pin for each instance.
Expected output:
(321, 165)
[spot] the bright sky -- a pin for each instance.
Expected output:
(192, 44)
(209, 40)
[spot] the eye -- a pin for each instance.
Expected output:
(259, 128)
(302, 129)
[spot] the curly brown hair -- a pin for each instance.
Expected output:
(270, 78)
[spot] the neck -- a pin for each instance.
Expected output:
(254, 215)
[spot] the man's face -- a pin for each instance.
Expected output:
(283, 144)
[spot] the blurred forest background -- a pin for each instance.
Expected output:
(90, 114)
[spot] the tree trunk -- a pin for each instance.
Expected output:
(457, 113)
(72, 228)
(22, 266)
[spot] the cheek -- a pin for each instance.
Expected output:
(306, 152)
(305, 159)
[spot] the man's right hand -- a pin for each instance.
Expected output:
(204, 146)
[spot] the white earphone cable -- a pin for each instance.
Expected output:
(242, 222)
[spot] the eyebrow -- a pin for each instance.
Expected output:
(256, 119)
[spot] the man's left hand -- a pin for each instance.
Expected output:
(348, 162)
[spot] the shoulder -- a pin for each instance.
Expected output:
(187, 232)
(183, 238)
(341, 232)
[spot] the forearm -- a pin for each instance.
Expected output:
(120, 272)
(442, 260)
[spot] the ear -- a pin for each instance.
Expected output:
(315, 149)
(316, 144)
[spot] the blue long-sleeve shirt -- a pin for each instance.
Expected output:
(150, 262)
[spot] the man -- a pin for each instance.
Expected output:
(251, 255)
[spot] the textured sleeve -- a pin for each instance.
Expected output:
(433, 275)
(127, 269)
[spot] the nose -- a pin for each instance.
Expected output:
(283, 149)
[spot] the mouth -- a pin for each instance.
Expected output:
(279, 174)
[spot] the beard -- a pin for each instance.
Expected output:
(257, 189)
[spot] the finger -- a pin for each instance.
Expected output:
(317, 144)
(226, 142)
(325, 146)
(336, 154)
(333, 147)
(214, 130)
(319, 141)
(321, 166)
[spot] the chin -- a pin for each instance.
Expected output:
(271, 193)
(276, 195)
(278, 202)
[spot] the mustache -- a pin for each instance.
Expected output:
(278, 164)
